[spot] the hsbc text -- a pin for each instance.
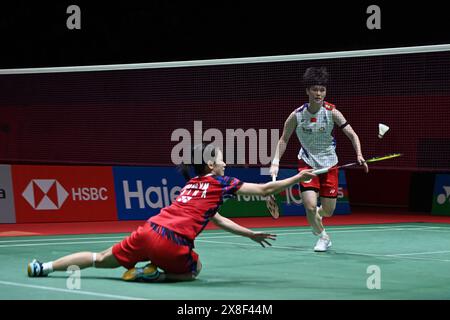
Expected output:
(89, 194)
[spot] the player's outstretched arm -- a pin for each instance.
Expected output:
(231, 226)
(274, 186)
(339, 119)
(289, 126)
(351, 134)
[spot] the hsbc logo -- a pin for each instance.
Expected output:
(45, 194)
(49, 194)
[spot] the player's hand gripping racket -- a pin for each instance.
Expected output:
(272, 204)
(390, 156)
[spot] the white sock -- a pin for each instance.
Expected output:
(94, 258)
(323, 234)
(47, 267)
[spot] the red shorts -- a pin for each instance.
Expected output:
(163, 247)
(326, 184)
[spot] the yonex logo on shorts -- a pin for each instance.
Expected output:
(45, 194)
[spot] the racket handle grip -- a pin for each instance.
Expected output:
(320, 171)
(274, 178)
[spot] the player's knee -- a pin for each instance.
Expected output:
(310, 209)
(102, 259)
(98, 258)
(327, 211)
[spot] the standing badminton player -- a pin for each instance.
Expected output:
(313, 123)
(167, 239)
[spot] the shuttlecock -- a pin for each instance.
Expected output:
(382, 129)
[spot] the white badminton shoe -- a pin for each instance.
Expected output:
(35, 269)
(322, 245)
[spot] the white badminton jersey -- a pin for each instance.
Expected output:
(314, 131)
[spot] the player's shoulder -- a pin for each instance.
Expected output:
(300, 109)
(223, 179)
(329, 106)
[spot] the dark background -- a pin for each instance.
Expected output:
(127, 117)
(34, 34)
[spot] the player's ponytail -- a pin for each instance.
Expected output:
(200, 155)
(184, 170)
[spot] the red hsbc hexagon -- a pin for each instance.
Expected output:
(63, 193)
(45, 194)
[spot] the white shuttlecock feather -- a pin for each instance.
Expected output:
(382, 129)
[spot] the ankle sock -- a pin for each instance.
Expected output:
(323, 234)
(47, 267)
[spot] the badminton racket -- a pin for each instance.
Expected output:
(272, 204)
(375, 159)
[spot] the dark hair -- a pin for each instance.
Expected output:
(200, 155)
(315, 77)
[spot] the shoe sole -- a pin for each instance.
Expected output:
(132, 275)
(328, 247)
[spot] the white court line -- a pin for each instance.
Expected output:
(331, 232)
(302, 252)
(428, 227)
(436, 230)
(202, 237)
(117, 237)
(87, 293)
(418, 253)
(393, 225)
(251, 245)
(334, 229)
(57, 239)
(395, 256)
(331, 228)
(52, 243)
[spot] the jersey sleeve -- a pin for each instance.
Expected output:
(229, 185)
(329, 106)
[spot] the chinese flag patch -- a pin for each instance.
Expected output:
(313, 119)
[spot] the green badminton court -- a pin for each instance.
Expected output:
(390, 261)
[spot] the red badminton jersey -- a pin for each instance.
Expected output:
(197, 203)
